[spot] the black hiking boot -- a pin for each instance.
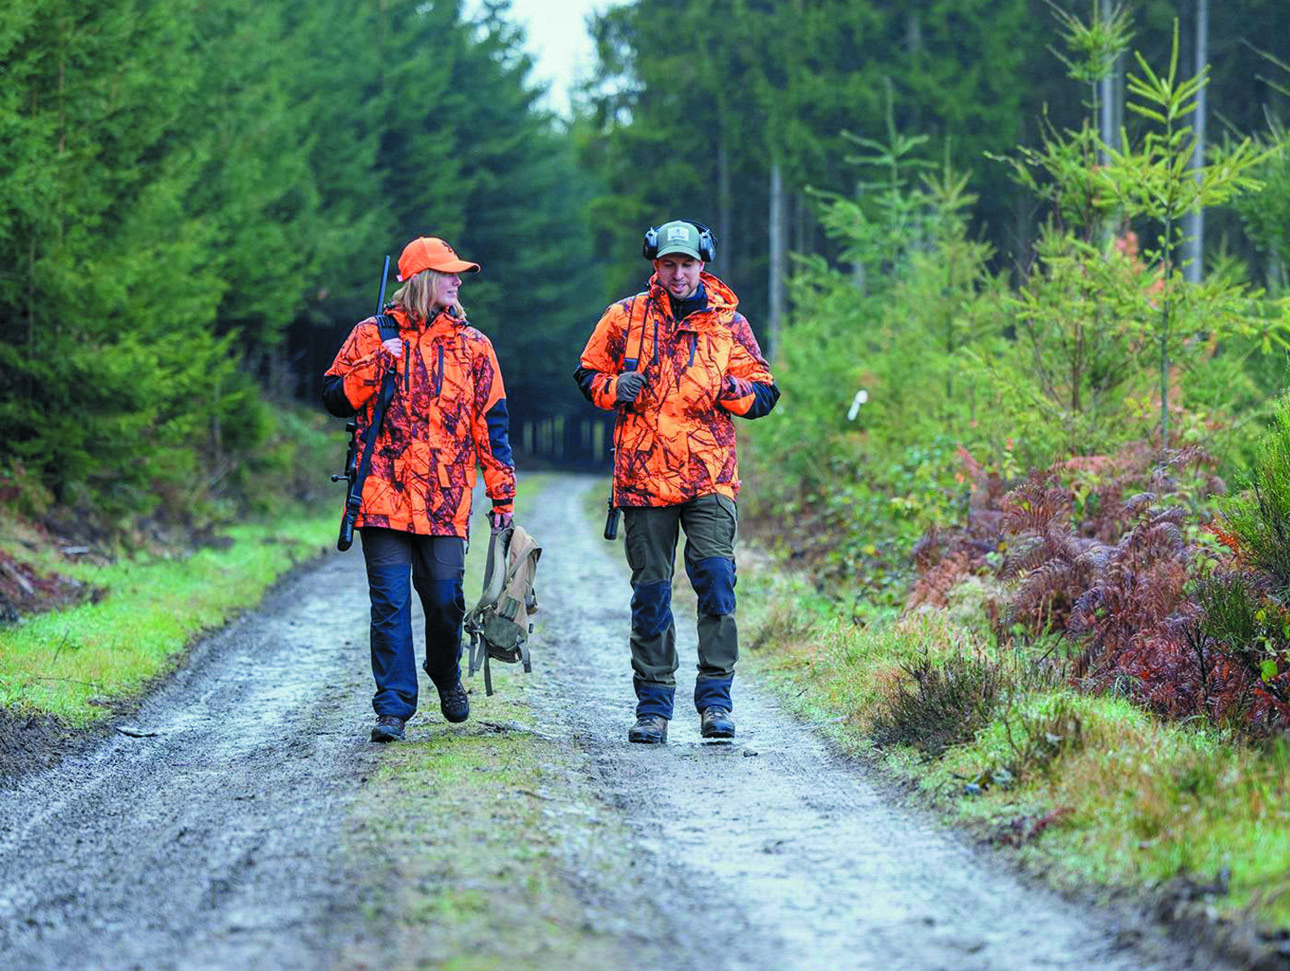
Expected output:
(388, 728)
(454, 704)
(649, 730)
(716, 723)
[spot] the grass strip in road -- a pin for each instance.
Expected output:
(473, 841)
(76, 663)
(466, 838)
(1090, 791)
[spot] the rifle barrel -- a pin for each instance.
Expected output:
(385, 273)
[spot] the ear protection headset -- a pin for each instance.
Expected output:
(707, 242)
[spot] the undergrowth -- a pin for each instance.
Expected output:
(939, 702)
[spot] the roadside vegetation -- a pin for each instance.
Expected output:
(1087, 788)
(95, 617)
(77, 663)
(1040, 564)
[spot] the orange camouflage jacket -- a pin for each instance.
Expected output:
(448, 412)
(676, 441)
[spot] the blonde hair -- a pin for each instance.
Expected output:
(419, 295)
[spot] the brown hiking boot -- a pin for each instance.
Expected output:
(649, 730)
(716, 723)
(388, 728)
(453, 703)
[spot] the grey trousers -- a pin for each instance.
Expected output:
(711, 527)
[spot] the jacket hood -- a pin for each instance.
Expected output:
(720, 296)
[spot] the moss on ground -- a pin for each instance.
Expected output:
(476, 843)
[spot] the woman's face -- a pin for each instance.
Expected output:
(449, 284)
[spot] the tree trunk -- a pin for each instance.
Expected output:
(1117, 112)
(801, 223)
(776, 258)
(1194, 226)
(724, 207)
(1105, 94)
(913, 32)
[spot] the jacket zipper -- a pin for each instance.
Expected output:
(694, 343)
(438, 378)
(407, 365)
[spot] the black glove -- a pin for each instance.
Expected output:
(629, 386)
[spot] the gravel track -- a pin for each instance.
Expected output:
(209, 838)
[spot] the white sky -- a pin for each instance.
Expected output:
(557, 38)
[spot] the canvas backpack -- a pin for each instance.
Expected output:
(500, 624)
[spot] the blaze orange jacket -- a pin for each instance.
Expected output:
(676, 441)
(447, 414)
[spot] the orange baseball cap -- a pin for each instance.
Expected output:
(431, 253)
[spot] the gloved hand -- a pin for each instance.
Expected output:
(629, 386)
(733, 388)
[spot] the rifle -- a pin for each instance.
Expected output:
(355, 470)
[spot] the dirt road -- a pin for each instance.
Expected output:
(207, 836)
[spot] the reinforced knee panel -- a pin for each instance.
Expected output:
(713, 579)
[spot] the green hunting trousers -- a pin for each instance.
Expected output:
(651, 532)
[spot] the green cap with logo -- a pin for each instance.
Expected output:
(678, 237)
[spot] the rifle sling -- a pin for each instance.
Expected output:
(389, 328)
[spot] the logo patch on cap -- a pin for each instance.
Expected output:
(677, 234)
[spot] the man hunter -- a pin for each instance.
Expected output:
(678, 362)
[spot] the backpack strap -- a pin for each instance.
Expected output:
(496, 572)
(479, 658)
(496, 575)
(528, 558)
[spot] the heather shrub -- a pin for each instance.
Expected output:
(939, 702)
(1038, 737)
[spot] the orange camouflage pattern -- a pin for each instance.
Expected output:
(448, 385)
(677, 440)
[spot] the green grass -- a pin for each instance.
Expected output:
(1141, 803)
(75, 663)
(1093, 791)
